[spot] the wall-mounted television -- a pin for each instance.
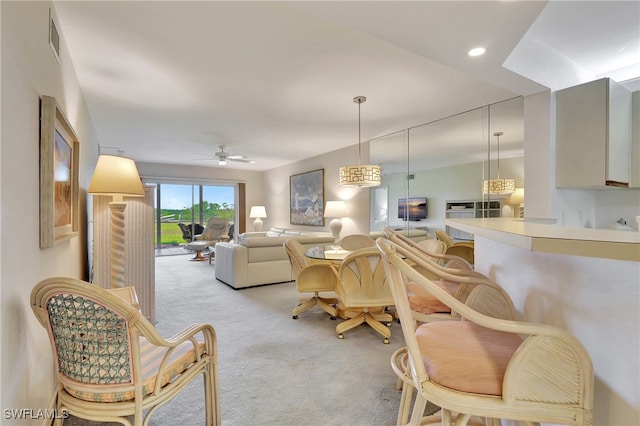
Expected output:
(412, 208)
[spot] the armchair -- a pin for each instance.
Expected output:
(488, 367)
(190, 231)
(217, 230)
(111, 362)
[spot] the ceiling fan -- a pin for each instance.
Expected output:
(223, 156)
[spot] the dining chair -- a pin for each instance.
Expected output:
(463, 249)
(363, 292)
(434, 248)
(313, 278)
(111, 363)
(487, 367)
(356, 241)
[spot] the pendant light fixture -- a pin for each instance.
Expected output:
(362, 175)
(498, 186)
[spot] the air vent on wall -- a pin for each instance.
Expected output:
(54, 37)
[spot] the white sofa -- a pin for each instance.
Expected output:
(259, 258)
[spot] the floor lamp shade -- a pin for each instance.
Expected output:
(116, 177)
(336, 210)
(258, 213)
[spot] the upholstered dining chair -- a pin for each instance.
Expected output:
(363, 292)
(463, 249)
(313, 278)
(356, 241)
(111, 363)
(487, 367)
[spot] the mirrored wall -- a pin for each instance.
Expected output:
(445, 161)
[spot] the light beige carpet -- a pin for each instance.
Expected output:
(273, 370)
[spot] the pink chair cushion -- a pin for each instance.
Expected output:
(420, 300)
(464, 356)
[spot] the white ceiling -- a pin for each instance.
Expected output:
(170, 81)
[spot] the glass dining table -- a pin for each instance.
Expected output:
(330, 252)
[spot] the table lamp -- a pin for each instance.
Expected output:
(336, 210)
(257, 213)
(116, 177)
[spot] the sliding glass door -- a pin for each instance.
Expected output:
(182, 211)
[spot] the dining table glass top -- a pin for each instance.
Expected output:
(327, 252)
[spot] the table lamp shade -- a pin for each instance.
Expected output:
(258, 212)
(116, 176)
(335, 209)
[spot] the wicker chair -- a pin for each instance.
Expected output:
(463, 249)
(356, 241)
(111, 362)
(311, 278)
(363, 292)
(434, 248)
(458, 280)
(488, 367)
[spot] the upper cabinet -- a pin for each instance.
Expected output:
(593, 136)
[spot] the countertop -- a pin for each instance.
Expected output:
(535, 235)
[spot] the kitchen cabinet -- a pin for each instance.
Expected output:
(593, 135)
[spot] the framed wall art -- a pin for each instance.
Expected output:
(307, 198)
(59, 156)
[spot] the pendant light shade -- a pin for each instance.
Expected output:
(498, 186)
(361, 175)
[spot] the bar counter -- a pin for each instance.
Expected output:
(543, 236)
(586, 281)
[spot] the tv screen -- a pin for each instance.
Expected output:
(412, 208)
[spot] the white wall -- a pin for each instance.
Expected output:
(29, 70)
(276, 186)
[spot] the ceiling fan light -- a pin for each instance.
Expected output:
(222, 161)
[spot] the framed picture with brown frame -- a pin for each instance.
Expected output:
(59, 156)
(307, 198)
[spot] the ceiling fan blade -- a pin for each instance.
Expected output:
(240, 159)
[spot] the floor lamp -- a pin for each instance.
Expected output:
(116, 177)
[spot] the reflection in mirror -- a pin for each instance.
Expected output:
(446, 160)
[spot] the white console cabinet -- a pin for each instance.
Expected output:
(139, 247)
(470, 209)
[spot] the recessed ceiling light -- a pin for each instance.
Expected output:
(477, 51)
